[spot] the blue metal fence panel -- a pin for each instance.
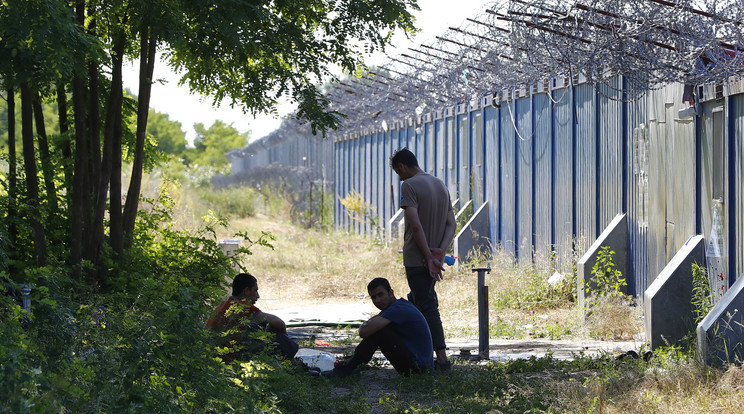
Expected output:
(340, 183)
(431, 148)
(463, 157)
(563, 180)
(388, 174)
(736, 132)
(440, 149)
(611, 152)
(396, 144)
(681, 191)
(493, 170)
(637, 197)
(586, 166)
(508, 181)
(347, 175)
(659, 126)
(451, 157)
(359, 176)
(421, 149)
(477, 154)
(543, 179)
(525, 189)
(337, 186)
(375, 176)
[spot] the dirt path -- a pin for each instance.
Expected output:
(326, 338)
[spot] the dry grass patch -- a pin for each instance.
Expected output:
(310, 266)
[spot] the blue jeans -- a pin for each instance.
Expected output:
(425, 299)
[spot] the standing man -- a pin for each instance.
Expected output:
(238, 318)
(430, 227)
(400, 332)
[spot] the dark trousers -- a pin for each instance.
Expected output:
(390, 344)
(425, 299)
(250, 345)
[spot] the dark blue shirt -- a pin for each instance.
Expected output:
(413, 330)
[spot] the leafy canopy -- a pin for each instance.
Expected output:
(253, 54)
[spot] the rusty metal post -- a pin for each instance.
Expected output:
(483, 345)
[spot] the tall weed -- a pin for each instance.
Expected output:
(610, 314)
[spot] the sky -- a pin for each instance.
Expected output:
(181, 105)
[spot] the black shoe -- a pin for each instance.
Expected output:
(342, 371)
(446, 366)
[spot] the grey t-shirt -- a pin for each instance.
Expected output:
(430, 197)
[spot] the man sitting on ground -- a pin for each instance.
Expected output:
(400, 331)
(239, 320)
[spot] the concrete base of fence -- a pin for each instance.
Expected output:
(667, 302)
(615, 235)
(473, 236)
(720, 335)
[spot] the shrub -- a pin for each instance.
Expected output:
(236, 201)
(135, 343)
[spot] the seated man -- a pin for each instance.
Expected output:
(239, 319)
(400, 331)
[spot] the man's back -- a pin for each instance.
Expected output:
(430, 197)
(413, 329)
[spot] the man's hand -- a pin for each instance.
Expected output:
(437, 253)
(435, 268)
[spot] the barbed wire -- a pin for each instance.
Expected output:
(516, 43)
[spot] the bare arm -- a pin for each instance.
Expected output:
(373, 325)
(274, 321)
(449, 231)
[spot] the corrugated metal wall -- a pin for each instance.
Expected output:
(509, 190)
(736, 105)
(543, 170)
(563, 128)
(492, 168)
(586, 165)
(637, 133)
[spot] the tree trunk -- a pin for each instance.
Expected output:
(90, 245)
(113, 116)
(80, 180)
(46, 161)
(32, 180)
(64, 126)
(94, 125)
(147, 64)
(114, 122)
(12, 172)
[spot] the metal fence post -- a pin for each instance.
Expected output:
(483, 351)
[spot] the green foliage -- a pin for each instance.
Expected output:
(137, 342)
(361, 211)
(702, 297)
(607, 279)
(168, 134)
(50, 115)
(231, 201)
(213, 143)
(463, 218)
(609, 314)
(254, 55)
(41, 42)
